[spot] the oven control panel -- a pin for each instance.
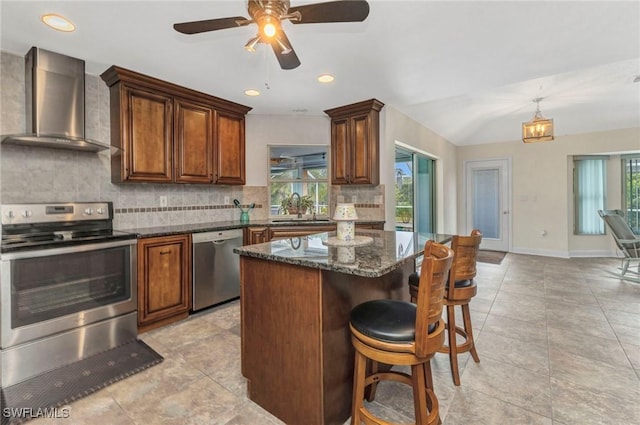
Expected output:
(54, 212)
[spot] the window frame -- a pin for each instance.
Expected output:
(626, 208)
(305, 182)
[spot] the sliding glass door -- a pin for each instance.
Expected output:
(415, 193)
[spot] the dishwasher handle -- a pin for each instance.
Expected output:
(216, 236)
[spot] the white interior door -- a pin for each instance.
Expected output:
(488, 203)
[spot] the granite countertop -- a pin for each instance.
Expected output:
(386, 251)
(146, 232)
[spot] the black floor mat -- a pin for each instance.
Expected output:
(46, 394)
(492, 257)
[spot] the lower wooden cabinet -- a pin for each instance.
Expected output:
(254, 235)
(262, 234)
(298, 231)
(164, 280)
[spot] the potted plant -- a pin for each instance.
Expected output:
(290, 206)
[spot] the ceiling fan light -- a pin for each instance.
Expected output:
(251, 44)
(269, 29)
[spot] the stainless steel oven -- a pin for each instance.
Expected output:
(66, 286)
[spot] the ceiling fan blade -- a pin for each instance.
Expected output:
(333, 11)
(196, 27)
(287, 60)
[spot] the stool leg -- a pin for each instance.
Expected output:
(370, 391)
(359, 375)
(453, 345)
(466, 315)
(428, 379)
(419, 393)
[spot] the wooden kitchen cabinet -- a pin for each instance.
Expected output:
(261, 234)
(164, 280)
(167, 133)
(298, 231)
(193, 142)
(146, 139)
(230, 145)
(355, 143)
(254, 235)
(371, 226)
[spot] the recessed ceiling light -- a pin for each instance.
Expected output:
(252, 92)
(58, 22)
(325, 78)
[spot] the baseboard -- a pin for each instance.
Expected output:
(567, 254)
(541, 252)
(594, 253)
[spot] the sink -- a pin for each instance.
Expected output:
(301, 220)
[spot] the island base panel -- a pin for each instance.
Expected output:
(296, 345)
(281, 354)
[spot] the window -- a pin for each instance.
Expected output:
(631, 190)
(299, 169)
(589, 185)
(415, 191)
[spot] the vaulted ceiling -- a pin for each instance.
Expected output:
(466, 70)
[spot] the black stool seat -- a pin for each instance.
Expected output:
(386, 320)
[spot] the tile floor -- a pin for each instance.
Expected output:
(559, 343)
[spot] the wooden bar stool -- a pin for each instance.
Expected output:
(460, 289)
(394, 332)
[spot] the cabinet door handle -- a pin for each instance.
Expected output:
(165, 252)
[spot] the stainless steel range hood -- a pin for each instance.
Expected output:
(54, 103)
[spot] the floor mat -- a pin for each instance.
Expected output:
(493, 257)
(46, 394)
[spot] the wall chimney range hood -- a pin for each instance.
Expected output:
(54, 103)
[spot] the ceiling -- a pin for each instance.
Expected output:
(466, 70)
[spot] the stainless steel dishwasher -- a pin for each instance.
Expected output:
(216, 269)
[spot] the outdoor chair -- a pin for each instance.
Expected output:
(626, 241)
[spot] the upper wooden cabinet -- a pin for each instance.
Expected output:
(355, 143)
(230, 145)
(168, 133)
(193, 142)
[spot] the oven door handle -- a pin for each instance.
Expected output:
(66, 250)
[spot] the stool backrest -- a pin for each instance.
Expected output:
(433, 277)
(465, 250)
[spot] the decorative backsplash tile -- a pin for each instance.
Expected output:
(32, 174)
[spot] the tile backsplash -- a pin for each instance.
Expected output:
(35, 174)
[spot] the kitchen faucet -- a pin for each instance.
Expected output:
(299, 203)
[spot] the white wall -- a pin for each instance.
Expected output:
(264, 130)
(543, 189)
(398, 127)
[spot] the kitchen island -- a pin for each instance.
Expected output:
(296, 297)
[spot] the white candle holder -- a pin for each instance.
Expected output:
(345, 215)
(346, 255)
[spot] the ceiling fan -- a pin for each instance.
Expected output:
(269, 14)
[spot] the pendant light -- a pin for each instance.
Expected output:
(539, 129)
